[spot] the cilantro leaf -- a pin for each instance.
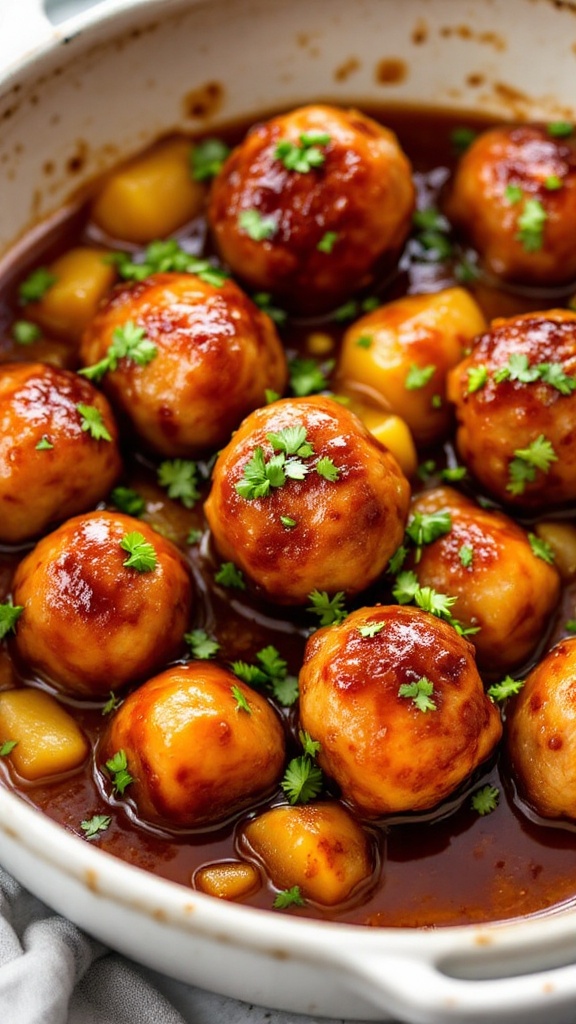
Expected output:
(477, 378)
(228, 575)
(44, 444)
(289, 898)
(9, 615)
(271, 673)
(201, 645)
(92, 422)
(207, 157)
(325, 467)
(507, 687)
(330, 610)
(256, 226)
(93, 826)
(7, 747)
(141, 553)
(309, 746)
(485, 800)
(466, 555)
(180, 478)
(128, 342)
(370, 629)
(36, 285)
(241, 699)
(418, 376)
(420, 691)
(426, 527)
(25, 333)
(327, 242)
(303, 780)
(538, 455)
(260, 475)
(307, 377)
(303, 155)
(117, 767)
(541, 548)
(531, 225)
(127, 500)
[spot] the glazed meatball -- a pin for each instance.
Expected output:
(516, 408)
(394, 698)
(209, 356)
(196, 753)
(514, 197)
(404, 349)
(304, 498)
(486, 561)
(312, 204)
(541, 734)
(58, 448)
(318, 847)
(106, 601)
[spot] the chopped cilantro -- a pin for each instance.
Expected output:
(228, 575)
(194, 536)
(541, 548)
(327, 242)
(240, 698)
(330, 610)
(164, 255)
(303, 780)
(453, 473)
(201, 645)
(207, 157)
(538, 455)
(288, 523)
(513, 194)
(289, 898)
(271, 672)
(570, 626)
(531, 225)
(180, 478)
(128, 342)
(466, 555)
(91, 421)
(264, 302)
(326, 468)
(112, 704)
(370, 629)
(552, 183)
(303, 155)
(141, 553)
(7, 747)
(485, 800)
(420, 691)
(364, 341)
(36, 285)
(256, 226)
(129, 501)
(117, 767)
(560, 129)
(477, 378)
(9, 615)
(93, 826)
(44, 444)
(25, 333)
(307, 377)
(462, 137)
(507, 687)
(418, 377)
(426, 527)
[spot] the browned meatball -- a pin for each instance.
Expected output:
(58, 448)
(486, 561)
(195, 751)
(541, 731)
(514, 195)
(209, 356)
(106, 601)
(395, 700)
(311, 204)
(516, 408)
(304, 498)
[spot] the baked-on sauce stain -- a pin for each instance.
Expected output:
(450, 866)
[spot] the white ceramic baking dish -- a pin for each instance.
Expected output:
(73, 100)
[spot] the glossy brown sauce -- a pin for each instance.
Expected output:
(449, 866)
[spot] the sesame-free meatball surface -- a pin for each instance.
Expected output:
(514, 197)
(216, 354)
(395, 700)
(335, 528)
(541, 734)
(90, 623)
(196, 754)
(51, 466)
(515, 404)
(317, 231)
(486, 561)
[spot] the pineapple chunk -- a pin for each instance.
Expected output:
(151, 196)
(48, 740)
(82, 280)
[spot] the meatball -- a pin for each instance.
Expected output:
(318, 847)
(105, 602)
(403, 350)
(312, 204)
(395, 700)
(516, 408)
(541, 734)
(304, 498)
(58, 448)
(514, 197)
(486, 561)
(203, 356)
(196, 753)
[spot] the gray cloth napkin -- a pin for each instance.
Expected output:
(51, 972)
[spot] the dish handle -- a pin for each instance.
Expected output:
(421, 991)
